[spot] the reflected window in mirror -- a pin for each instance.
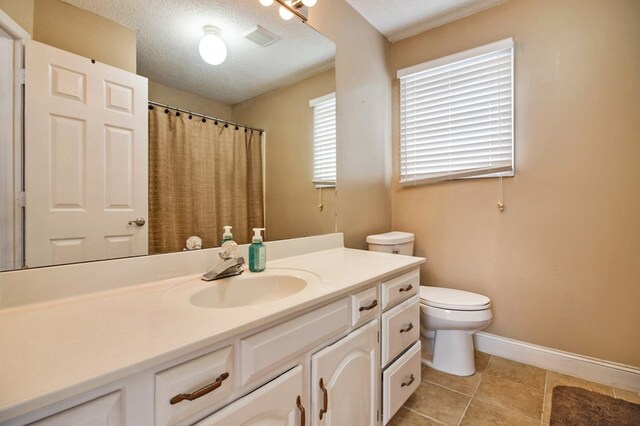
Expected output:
(324, 140)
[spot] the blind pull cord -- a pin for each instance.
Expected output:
(320, 205)
(500, 203)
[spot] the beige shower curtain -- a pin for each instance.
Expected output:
(201, 176)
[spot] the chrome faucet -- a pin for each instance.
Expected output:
(229, 267)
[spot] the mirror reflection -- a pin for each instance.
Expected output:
(133, 143)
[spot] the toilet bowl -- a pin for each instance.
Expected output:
(448, 317)
(448, 320)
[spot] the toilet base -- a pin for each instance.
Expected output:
(453, 353)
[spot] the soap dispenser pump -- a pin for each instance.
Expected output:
(227, 235)
(257, 252)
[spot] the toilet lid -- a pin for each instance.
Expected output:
(448, 298)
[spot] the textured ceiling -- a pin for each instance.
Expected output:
(168, 33)
(399, 19)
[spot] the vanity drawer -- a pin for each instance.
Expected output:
(400, 328)
(364, 306)
(270, 349)
(400, 288)
(106, 410)
(400, 380)
(210, 375)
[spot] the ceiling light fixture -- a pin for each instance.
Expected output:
(212, 48)
(288, 8)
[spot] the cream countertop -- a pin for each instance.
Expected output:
(53, 350)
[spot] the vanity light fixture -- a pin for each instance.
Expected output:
(288, 8)
(284, 12)
(212, 48)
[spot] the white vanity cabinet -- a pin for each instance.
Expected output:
(345, 379)
(351, 360)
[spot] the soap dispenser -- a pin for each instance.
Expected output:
(257, 252)
(227, 235)
(228, 247)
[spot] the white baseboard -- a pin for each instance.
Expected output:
(596, 370)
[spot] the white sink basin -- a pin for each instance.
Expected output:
(252, 289)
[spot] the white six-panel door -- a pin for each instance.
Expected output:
(86, 159)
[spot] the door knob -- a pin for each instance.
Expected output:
(138, 222)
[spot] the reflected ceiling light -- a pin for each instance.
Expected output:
(288, 8)
(212, 48)
(285, 13)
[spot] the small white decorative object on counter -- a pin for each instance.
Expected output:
(194, 243)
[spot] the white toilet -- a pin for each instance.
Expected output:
(448, 317)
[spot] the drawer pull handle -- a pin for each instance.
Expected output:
(369, 306)
(407, 288)
(301, 408)
(411, 379)
(325, 399)
(200, 392)
(408, 328)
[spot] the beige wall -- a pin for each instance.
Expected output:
(561, 264)
(364, 117)
(75, 30)
(291, 199)
(189, 101)
(20, 11)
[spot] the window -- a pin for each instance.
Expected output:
(456, 116)
(324, 140)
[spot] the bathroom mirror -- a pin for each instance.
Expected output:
(267, 88)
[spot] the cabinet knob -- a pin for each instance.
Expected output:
(407, 288)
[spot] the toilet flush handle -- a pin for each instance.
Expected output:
(395, 251)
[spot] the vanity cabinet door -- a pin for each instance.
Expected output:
(279, 402)
(345, 380)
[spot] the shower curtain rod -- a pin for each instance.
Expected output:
(167, 106)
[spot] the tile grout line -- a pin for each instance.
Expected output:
(473, 394)
(444, 387)
(424, 415)
(544, 396)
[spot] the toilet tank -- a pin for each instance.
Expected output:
(392, 242)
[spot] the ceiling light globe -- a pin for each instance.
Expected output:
(266, 2)
(284, 12)
(212, 49)
(309, 3)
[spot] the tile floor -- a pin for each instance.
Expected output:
(502, 392)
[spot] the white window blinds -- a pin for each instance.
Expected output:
(324, 140)
(456, 116)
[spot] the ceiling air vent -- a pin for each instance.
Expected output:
(260, 36)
